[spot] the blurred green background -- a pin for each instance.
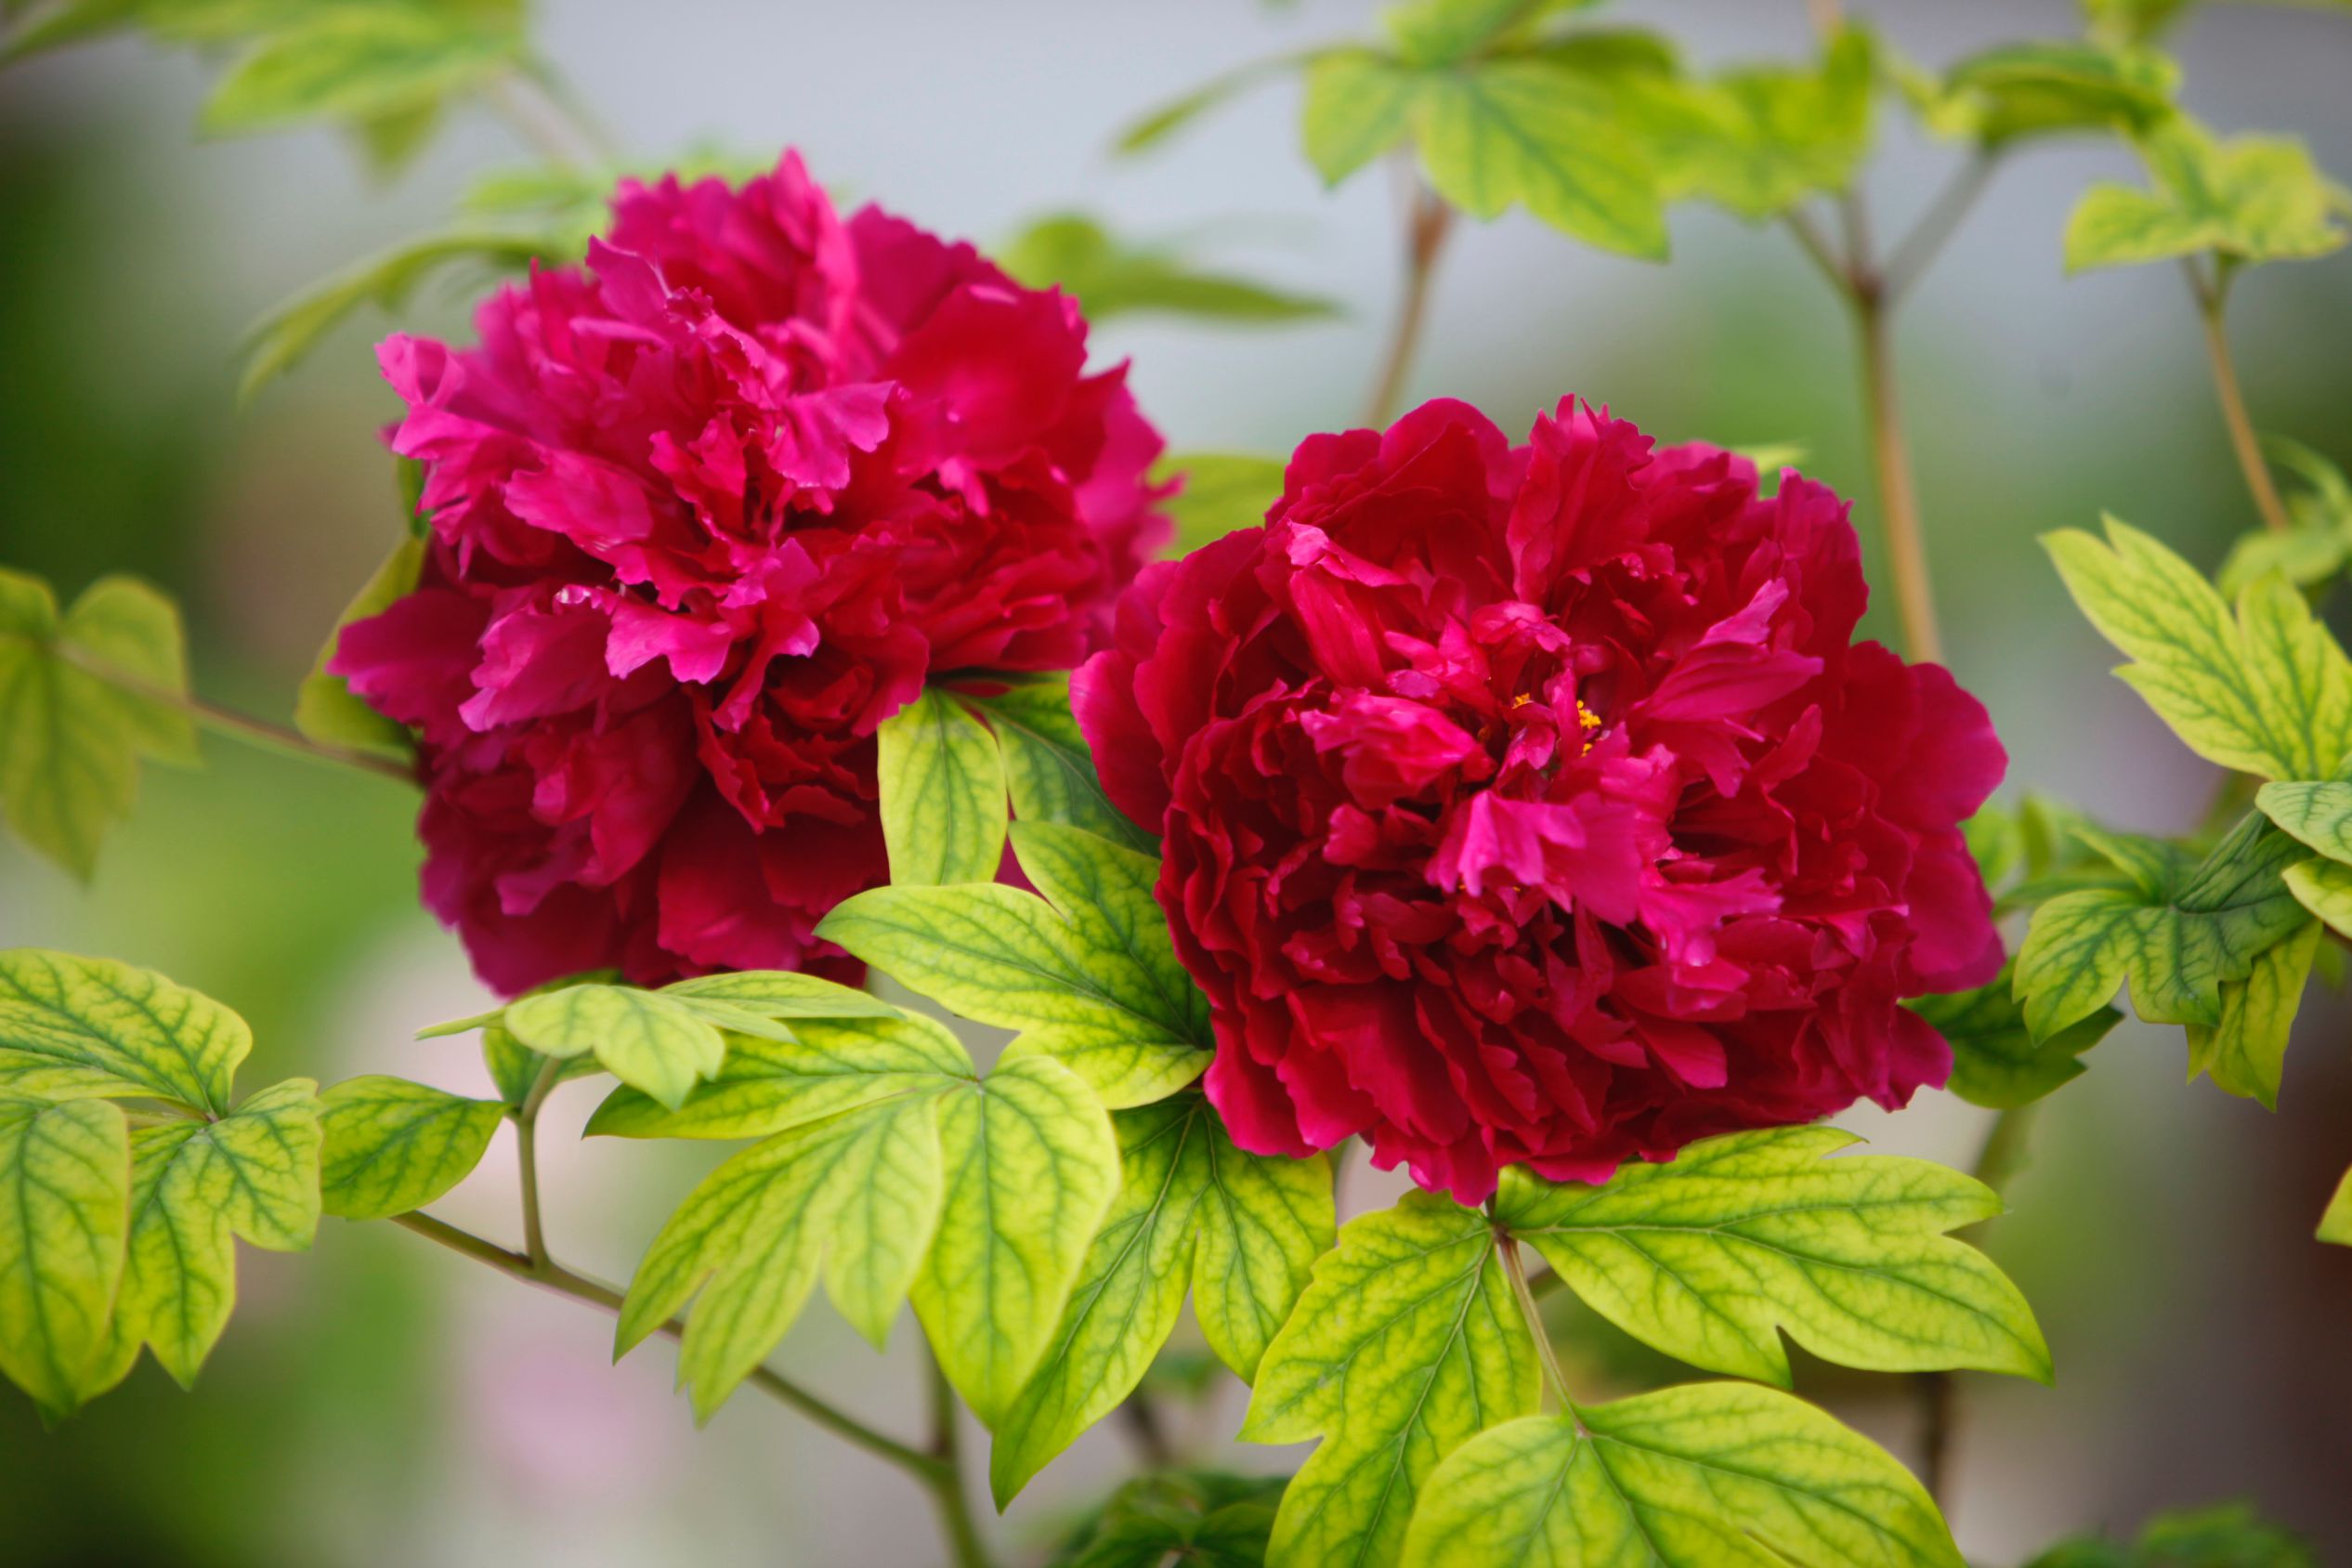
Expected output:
(374, 1402)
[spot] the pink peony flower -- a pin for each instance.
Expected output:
(1535, 805)
(703, 515)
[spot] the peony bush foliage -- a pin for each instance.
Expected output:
(801, 644)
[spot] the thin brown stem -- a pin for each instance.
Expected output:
(1918, 250)
(1827, 16)
(1429, 220)
(555, 1277)
(2210, 297)
(1890, 461)
(228, 722)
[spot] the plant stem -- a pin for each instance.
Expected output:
(580, 1287)
(946, 1479)
(1890, 459)
(1144, 1425)
(1998, 1162)
(2211, 296)
(1918, 249)
(527, 1156)
(1507, 1249)
(228, 722)
(541, 112)
(1429, 220)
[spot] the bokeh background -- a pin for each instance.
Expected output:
(379, 1402)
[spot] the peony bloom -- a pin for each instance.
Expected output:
(1535, 805)
(703, 515)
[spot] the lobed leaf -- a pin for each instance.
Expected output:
(360, 63)
(252, 1173)
(2249, 198)
(1032, 1166)
(1048, 769)
(325, 707)
(1359, 105)
(942, 794)
(65, 1181)
(1995, 1060)
(82, 697)
(765, 1086)
(1406, 1346)
(98, 1028)
(1706, 1257)
(1241, 1230)
(649, 1039)
(2267, 693)
(2244, 1050)
(2324, 887)
(1090, 976)
(393, 1146)
(1704, 1475)
(1111, 277)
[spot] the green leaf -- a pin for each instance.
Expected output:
(651, 1041)
(1520, 132)
(1157, 126)
(115, 1030)
(1406, 1345)
(854, 1197)
(1222, 494)
(1032, 1166)
(2228, 1536)
(1704, 1258)
(2304, 556)
(1090, 978)
(1757, 141)
(1205, 1519)
(357, 63)
(1445, 32)
(1705, 1475)
(325, 707)
(2131, 21)
(514, 1066)
(1358, 106)
(1241, 1230)
(2177, 935)
(288, 333)
(2267, 693)
(767, 1086)
(393, 1146)
(1115, 278)
(1048, 765)
(2249, 198)
(2335, 1225)
(2244, 1052)
(2046, 87)
(252, 1173)
(82, 698)
(65, 1189)
(942, 794)
(1995, 1060)
(2324, 887)
(2318, 813)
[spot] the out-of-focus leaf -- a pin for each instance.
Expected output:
(2131, 21)
(82, 697)
(1438, 32)
(1223, 493)
(360, 62)
(1110, 277)
(2230, 1537)
(2016, 91)
(2249, 198)
(2335, 1225)
(1995, 1060)
(1704, 1475)
(1203, 1519)
(1358, 106)
(387, 282)
(325, 707)
(2324, 887)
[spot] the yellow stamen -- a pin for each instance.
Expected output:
(1588, 721)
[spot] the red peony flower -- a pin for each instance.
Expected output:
(1534, 805)
(703, 515)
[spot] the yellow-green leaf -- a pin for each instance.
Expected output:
(1048, 765)
(1704, 1475)
(82, 697)
(829, 1066)
(1995, 1060)
(1223, 493)
(2267, 692)
(252, 1173)
(1358, 105)
(325, 707)
(1406, 1346)
(942, 794)
(1242, 1231)
(1708, 1256)
(2318, 813)
(2335, 1225)
(65, 1190)
(2246, 1049)
(656, 1042)
(113, 1030)
(1032, 1166)
(2324, 887)
(2249, 198)
(393, 1146)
